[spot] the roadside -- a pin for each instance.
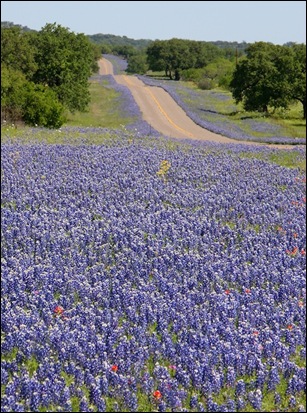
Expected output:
(161, 111)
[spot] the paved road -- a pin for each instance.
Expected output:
(161, 111)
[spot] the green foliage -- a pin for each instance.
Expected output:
(270, 75)
(32, 365)
(13, 84)
(175, 55)
(192, 75)
(112, 42)
(42, 108)
(124, 51)
(65, 62)
(36, 105)
(11, 355)
(216, 74)
(205, 84)
(104, 109)
(45, 73)
(137, 64)
(17, 52)
(298, 75)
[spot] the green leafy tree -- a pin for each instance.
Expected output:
(137, 64)
(105, 49)
(157, 56)
(179, 57)
(175, 55)
(65, 62)
(41, 107)
(217, 73)
(270, 76)
(124, 50)
(12, 93)
(34, 104)
(17, 52)
(298, 75)
(171, 56)
(207, 54)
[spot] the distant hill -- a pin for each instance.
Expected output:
(140, 44)
(7, 25)
(113, 40)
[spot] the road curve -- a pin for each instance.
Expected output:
(161, 111)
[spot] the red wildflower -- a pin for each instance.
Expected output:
(157, 394)
(58, 310)
(255, 333)
(248, 291)
(289, 326)
(303, 252)
(293, 252)
(114, 368)
(227, 292)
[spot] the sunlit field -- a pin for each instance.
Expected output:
(217, 111)
(142, 273)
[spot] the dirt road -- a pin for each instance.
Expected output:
(161, 111)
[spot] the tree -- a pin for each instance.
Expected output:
(137, 64)
(157, 56)
(175, 55)
(270, 76)
(32, 103)
(12, 93)
(169, 55)
(217, 73)
(65, 62)
(41, 107)
(298, 75)
(17, 52)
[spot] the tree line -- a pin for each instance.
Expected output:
(45, 74)
(265, 75)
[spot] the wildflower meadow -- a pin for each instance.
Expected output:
(141, 273)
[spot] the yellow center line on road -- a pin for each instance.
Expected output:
(161, 109)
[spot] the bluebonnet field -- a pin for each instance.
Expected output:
(143, 274)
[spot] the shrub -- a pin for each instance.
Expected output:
(42, 107)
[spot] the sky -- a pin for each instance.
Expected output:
(277, 22)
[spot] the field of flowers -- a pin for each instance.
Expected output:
(143, 275)
(140, 273)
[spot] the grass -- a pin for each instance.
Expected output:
(104, 109)
(286, 122)
(288, 159)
